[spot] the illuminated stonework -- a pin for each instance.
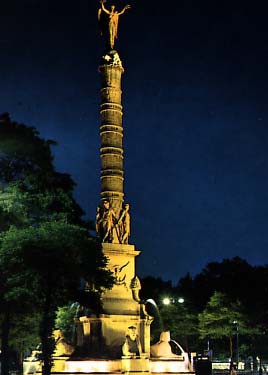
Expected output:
(117, 340)
(111, 132)
(111, 334)
(112, 218)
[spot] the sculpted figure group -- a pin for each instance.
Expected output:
(110, 228)
(110, 26)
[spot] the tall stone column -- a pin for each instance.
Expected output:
(111, 132)
(113, 219)
(107, 335)
(121, 255)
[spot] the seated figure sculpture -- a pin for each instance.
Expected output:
(162, 348)
(132, 346)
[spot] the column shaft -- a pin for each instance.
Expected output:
(111, 132)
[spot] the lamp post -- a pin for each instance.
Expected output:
(235, 323)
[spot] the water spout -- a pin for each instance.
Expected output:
(157, 325)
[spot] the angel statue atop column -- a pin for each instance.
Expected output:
(112, 21)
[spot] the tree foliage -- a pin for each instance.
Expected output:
(45, 248)
(31, 190)
(217, 319)
(23, 153)
(221, 317)
(233, 277)
(65, 320)
(236, 280)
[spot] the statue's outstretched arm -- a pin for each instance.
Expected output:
(124, 9)
(103, 7)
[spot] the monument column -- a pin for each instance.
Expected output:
(113, 220)
(123, 315)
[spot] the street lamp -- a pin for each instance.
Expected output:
(166, 301)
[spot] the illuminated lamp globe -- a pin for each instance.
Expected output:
(166, 301)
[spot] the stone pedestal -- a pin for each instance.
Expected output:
(103, 336)
(135, 366)
(123, 298)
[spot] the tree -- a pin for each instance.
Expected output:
(65, 320)
(15, 295)
(31, 190)
(23, 153)
(50, 259)
(233, 277)
(24, 334)
(218, 319)
(45, 249)
(239, 281)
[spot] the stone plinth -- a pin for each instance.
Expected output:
(123, 298)
(124, 365)
(170, 366)
(103, 336)
(93, 366)
(135, 365)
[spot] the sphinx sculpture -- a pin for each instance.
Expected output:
(162, 348)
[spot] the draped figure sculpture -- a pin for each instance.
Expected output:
(113, 18)
(124, 225)
(109, 227)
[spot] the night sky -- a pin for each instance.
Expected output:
(195, 117)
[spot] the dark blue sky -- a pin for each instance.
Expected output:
(195, 117)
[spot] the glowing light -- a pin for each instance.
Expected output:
(181, 300)
(166, 301)
(99, 366)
